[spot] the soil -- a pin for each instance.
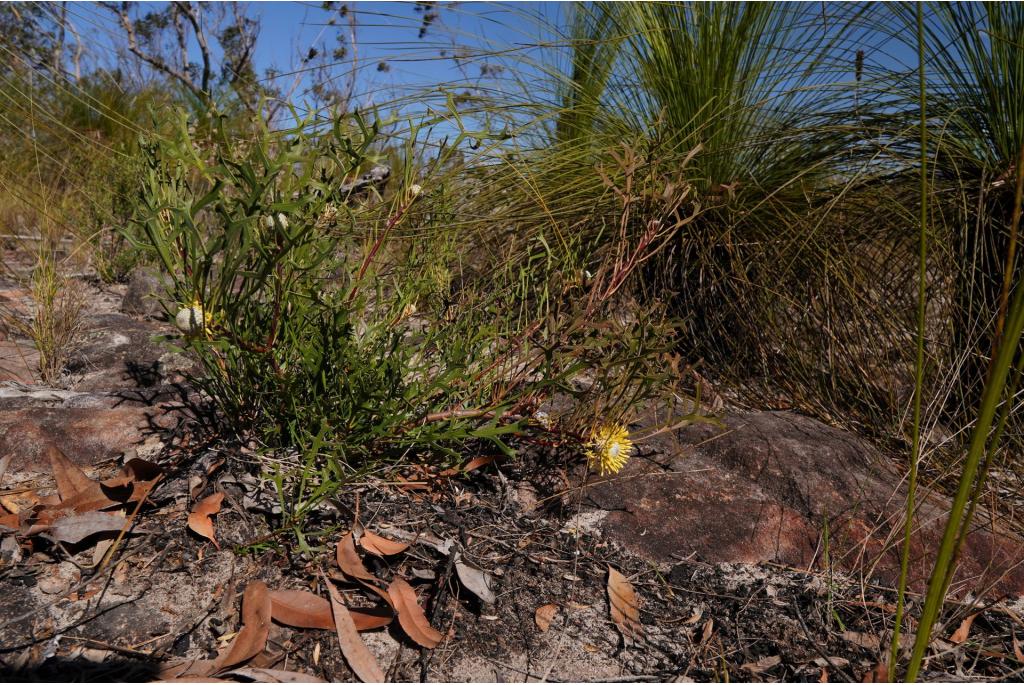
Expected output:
(539, 537)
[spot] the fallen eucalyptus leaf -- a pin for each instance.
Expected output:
(382, 547)
(359, 658)
(410, 615)
(349, 561)
(199, 520)
(474, 580)
(273, 675)
(625, 609)
(961, 634)
(74, 528)
(252, 638)
(762, 665)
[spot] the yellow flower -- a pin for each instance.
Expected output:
(609, 449)
(193, 319)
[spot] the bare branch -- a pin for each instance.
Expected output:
(192, 13)
(153, 60)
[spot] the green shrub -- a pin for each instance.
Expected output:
(316, 316)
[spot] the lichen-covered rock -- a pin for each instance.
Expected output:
(142, 298)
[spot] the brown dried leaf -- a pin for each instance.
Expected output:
(382, 547)
(477, 462)
(410, 615)
(475, 580)
(303, 609)
(252, 638)
(273, 675)
(961, 634)
(622, 599)
(544, 615)
(878, 674)
(709, 628)
(71, 480)
(199, 520)
(10, 521)
(76, 490)
(349, 561)
(761, 665)
(359, 658)
(74, 528)
(17, 502)
(865, 640)
(137, 478)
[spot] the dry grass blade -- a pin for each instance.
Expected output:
(199, 520)
(381, 546)
(359, 658)
(410, 615)
(625, 609)
(349, 561)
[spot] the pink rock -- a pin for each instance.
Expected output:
(763, 489)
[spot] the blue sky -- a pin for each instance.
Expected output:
(388, 32)
(384, 32)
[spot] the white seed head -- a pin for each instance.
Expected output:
(415, 189)
(190, 320)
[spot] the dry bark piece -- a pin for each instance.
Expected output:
(410, 615)
(544, 615)
(625, 609)
(359, 658)
(349, 561)
(199, 520)
(381, 546)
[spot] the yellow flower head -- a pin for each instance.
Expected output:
(194, 319)
(609, 449)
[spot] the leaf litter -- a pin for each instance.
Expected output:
(694, 624)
